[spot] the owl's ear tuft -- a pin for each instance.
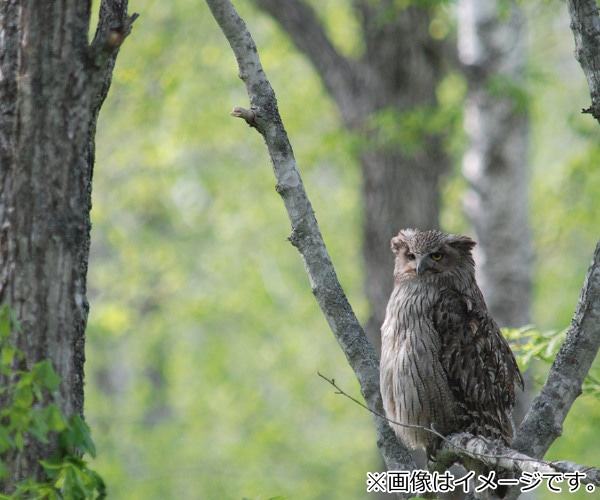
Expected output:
(401, 240)
(397, 243)
(463, 243)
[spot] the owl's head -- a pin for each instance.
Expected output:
(426, 254)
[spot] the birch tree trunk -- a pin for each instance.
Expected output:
(53, 84)
(493, 51)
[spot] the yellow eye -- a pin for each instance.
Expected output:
(437, 256)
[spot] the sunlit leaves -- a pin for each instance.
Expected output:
(531, 344)
(73, 479)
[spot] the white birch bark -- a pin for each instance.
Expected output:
(492, 50)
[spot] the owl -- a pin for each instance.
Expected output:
(444, 362)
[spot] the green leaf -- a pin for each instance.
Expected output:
(39, 426)
(45, 375)
(6, 357)
(28, 415)
(6, 442)
(78, 436)
(52, 466)
(55, 419)
(19, 440)
(23, 395)
(8, 320)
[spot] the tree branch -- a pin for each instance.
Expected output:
(305, 235)
(495, 456)
(585, 25)
(475, 452)
(114, 24)
(302, 25)
(543, 423)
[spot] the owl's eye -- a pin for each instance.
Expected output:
(410, 256)
(437, 256)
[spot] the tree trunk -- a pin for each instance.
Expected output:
(398, 192)
(493, 53)
(53, 84)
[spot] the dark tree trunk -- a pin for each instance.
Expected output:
(53, 84)
(398, 192)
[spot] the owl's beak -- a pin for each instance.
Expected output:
(422, 266)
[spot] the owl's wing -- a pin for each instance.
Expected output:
(481, 368)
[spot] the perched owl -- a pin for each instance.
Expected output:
(444, 362)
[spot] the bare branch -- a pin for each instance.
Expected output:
(114, 25)
(543, 423)
(247, 114)
(302, 25)
(305, 235)
(341, 392)
(585, 25)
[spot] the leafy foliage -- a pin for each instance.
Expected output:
(532, 345)
(30, 414)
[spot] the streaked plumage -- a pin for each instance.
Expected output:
(444, 362)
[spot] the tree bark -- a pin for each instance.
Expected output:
(399, 72)
(585, 26)
(468, 448)
(53, 84)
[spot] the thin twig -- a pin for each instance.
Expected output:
(512, 458)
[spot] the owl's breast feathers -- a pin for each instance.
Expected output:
(480, 367)
(445, 365)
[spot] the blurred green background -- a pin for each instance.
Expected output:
(204, 339)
